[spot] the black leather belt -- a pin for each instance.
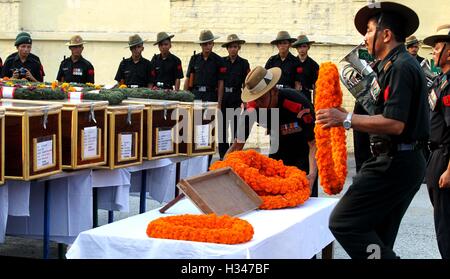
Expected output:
(383, 147)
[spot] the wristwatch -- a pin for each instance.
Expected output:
(348, 121)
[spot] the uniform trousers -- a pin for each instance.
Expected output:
(440, 198)
(367, 218)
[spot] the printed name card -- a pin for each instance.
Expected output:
(164, 140)
(202, 136)
(126, 146)
(44, 152)
(90, 142)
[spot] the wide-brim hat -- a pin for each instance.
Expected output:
(442, 35)
(162, 36)
(411, 40)
(233, 38)
(206, 36)
(258, 82)
(135, 40)
(283, 36)
(75, 41)
(301, 40)
(408, 17)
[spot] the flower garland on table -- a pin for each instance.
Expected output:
(331, 152)
(202, 228)
(278, 185)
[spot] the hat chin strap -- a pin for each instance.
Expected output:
(376, 35)
(440, 55)
(262, 84)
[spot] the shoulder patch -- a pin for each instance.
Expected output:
(292, 106)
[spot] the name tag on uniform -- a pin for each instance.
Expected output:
(77, 72)
(134, 86)
(375, 89)
(202, 89)
(291, 128)
(432, 99)
(228, 89)
(65, 69)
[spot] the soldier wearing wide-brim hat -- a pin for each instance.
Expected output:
(206, 71)
(233, 38)
(76, 68)
(23, 64)
(366, 219)
(237, 69)
(309, 69)
(412, 44)
(288, 63)
(166, 67)
(438, 174)
(136, 70)
(294, 113)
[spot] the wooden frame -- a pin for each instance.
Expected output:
(136, 111)
(23, 119)
(99, 145)
(152, 107)
(190, 146)
(172, 132)
(35, 161)
(220, 191)
(134, 147)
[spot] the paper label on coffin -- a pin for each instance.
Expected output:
(126, 146)
(44, 154)
(165, 142)
(202, 136)
(90, 142)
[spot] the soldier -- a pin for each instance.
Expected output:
(309, 69)
(413, 46)
(367, 218)
(31, 55)
(296, 121)
(237, 70)
(136, 70)
(166, 67)
(206, 71)
(438, 170)
(289, 64)
(23, 64)
(76, 68)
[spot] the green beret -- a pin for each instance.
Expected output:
(23, 34)
(23, 40)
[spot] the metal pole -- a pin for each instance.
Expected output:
(46, 218)
(143, 195)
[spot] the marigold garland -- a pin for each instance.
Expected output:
(278, 185)
(331, 152)
(203, 228)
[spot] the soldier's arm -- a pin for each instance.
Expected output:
(312, 162)
(177, 84)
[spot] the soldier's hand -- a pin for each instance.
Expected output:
(444, 181)
(29, 76)
(328, 118)
(16, 74)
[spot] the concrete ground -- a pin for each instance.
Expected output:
(416, 238)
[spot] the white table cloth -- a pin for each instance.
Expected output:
(299, 232)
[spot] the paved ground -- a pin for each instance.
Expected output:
(416, 238)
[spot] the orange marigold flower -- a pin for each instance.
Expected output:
(204, 228)
(278, 185)
(331, 152)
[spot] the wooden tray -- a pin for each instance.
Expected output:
(221, 192)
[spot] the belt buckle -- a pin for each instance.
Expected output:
(280, 86)
(202, 88)
(228, 89)
(134, 86)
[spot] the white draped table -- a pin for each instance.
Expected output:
(297, 233)
(70, 203)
